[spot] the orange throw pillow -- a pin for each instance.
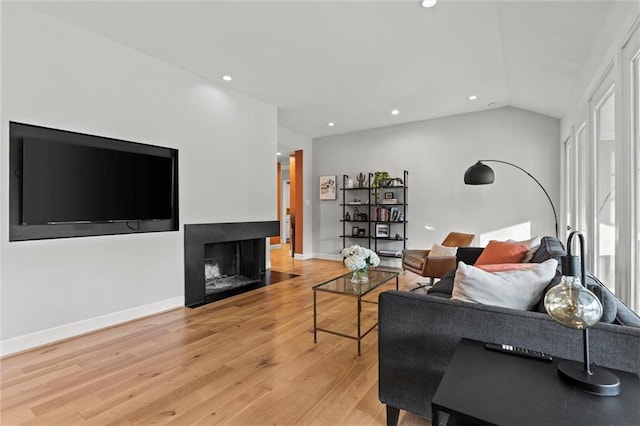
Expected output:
(501, 252)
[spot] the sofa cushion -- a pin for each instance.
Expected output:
(444, 286)
(468, 255)
(502, 252)
(550, 248)
(516, 289)
(615, 311)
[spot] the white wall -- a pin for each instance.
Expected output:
(57, 75)
(298, 141)
(436, 153)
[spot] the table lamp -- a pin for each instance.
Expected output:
(571, 304)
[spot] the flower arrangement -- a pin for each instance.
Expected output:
(358, 259)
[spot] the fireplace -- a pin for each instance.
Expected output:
(224, 259)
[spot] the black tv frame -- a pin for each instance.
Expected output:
(21, 232)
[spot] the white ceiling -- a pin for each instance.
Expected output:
(352, 62)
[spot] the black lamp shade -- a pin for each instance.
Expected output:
(479, 174)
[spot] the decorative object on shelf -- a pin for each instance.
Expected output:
(354, 231)
(571, 304)
(396, 181)
(382, 230)
(361, 179)
(347, 216)
(481, 174)
(398, 236)
(388, 196)
(349, 183)
(358, 259)
(356, 213)
(363, 217)
(328, 188)
(361, 232)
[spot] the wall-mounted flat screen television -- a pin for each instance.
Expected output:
(67, 184)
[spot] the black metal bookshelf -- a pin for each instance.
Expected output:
(380, 224)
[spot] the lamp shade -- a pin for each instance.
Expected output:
(479, 174)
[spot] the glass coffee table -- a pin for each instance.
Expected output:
(343, 286)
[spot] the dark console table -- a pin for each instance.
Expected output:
(491, 388)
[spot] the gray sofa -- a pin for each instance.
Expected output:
(418, 334)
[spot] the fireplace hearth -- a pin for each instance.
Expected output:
(225, 259)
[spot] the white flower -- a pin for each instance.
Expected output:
(356, 257)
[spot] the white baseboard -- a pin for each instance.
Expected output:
(327, 256)
(50, 335)
(303, 256)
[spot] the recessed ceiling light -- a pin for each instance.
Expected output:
(428, 3)
(226, 77)
(395, 112)
(278, 153)
(331, 124)
(472, 97)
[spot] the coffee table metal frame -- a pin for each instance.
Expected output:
(343, 286)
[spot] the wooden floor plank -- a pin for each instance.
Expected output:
(249, 359)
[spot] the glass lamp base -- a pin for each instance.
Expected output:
(599, 382)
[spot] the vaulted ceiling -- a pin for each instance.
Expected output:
(352, 62)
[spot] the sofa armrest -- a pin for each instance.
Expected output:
(415, 252)
(418, 334)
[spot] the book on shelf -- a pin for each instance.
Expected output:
(396, 253)
(383, 214)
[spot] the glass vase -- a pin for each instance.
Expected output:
(360, 276)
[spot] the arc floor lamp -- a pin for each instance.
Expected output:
(481, 174)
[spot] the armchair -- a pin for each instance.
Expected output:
(419, 262)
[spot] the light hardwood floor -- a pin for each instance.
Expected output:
(246, 360)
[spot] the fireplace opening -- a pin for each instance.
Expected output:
(225, 259)
(233, 264)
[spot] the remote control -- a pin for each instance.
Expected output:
(514, 350)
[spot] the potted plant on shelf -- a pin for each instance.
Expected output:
(383, 180)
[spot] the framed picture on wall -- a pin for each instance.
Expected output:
(328, 187)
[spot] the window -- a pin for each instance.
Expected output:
(584, 173)
(605, 186)
(570, 189)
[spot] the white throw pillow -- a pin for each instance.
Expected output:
(438, 251)
(519, 289)
(532, 244)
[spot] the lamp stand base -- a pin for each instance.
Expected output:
(599, 382)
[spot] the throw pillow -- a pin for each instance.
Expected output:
(532, 244)
(502, 267)
(502, 252)
(517, 289)
(438, 251)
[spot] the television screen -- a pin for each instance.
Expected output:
(64, 182)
